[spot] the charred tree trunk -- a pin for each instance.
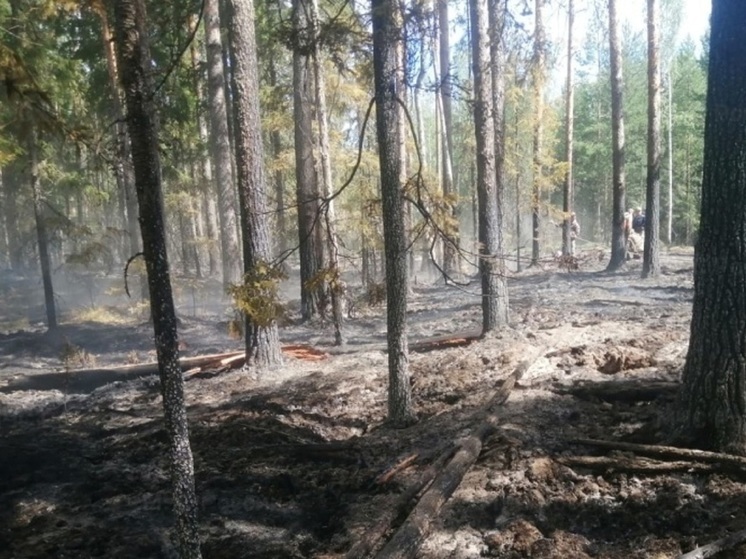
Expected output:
(262, 340)
(712, 406)
(386, 35)
(306, 180)
(134, 63)
(491, 261)
(651, 265)
(618, 248)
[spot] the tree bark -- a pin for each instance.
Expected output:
(451, 243)
(42, 236)
(538, 71)
(651, 264)
(386, 35)
(220, 146)
(497, 14)
(712, 406)
(336, 284)
(618, 248)
(262, 340)
(568, 244)
(491, 261)
(306, 181)
(134, 63)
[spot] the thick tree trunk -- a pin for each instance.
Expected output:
(491, 261)
(618, 248)
(386, 35)
(568, 243)
(538, 71)
(712, 406)
(220, 146)
(651, 264)
(134, 63)
(262, 340)
(42, 236)
(306, 183)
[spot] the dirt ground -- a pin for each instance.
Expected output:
(288, 463)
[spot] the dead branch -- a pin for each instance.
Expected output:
(737, 463)
(635, 465)
(728, 542)
(386, 476)
(444, 342)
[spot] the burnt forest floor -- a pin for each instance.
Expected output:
(288, 464)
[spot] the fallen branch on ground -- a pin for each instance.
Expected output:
(738, 463)
(728, 542)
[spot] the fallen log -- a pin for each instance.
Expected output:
(738, 463)
(187, 363)
(711, 549)
(622, 392)
(370, 539)
(410, 535)
(444, 342)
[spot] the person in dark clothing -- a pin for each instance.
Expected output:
(638, 221)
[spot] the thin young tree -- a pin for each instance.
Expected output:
(567, 191)
(651, 265)
(260, 332)
(618, 248)
(386, 61)
(220, 146)
(491, 261)
(135, 72)
(712, 403)
(42, 236)
(498, 11)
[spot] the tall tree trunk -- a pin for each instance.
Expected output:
(4, 240)
(618, 248)
(42, 235)
(220, 145)
(279, 176)
(386, 35)
(712, 405)
(568, 243)
(669, 198)
(262, 339)
(497, 15)
(306, 183)
(491, 260)
(205, 249)
(651, 265)
(336, 283)
(134, 63)
(538, 71)
(451, 243)
(10, 210)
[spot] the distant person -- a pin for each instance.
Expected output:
(574, 232)
(638, 221)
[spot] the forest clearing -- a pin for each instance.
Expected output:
(300, 463)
